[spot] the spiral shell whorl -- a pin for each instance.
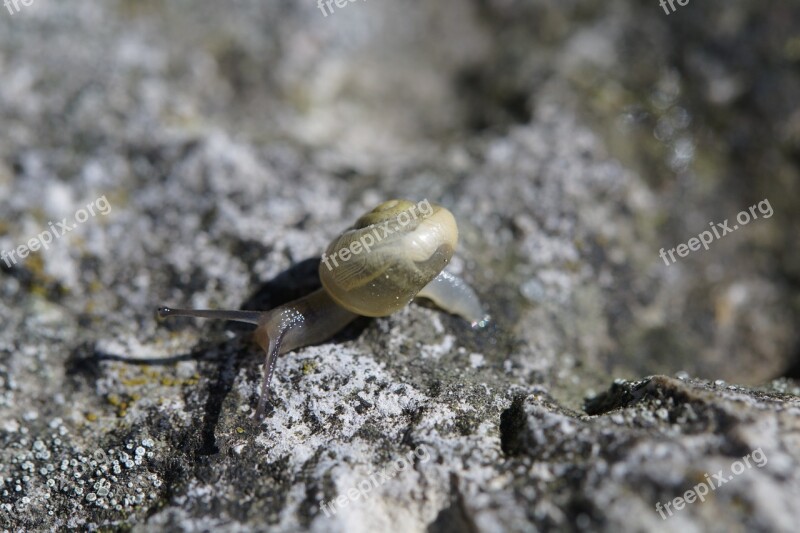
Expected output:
(377, 267)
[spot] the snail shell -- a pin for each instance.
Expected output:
(380, 264)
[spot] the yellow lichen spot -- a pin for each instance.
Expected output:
(35, 264)
(240, 430)
(95, 286)
(792, 49)
(119, 403)
(38, 290)
(308, 367)
(114, 400)
(134, 382)
(91, 417)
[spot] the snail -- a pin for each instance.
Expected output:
(391, 255)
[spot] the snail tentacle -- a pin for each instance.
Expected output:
(452, 294)
(248, 317)
(309, 320)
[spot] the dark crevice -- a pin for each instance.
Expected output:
(620, 394)
(491, 99)
(455, 518)
(512, 427)
(793, 370)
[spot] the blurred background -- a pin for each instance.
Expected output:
(573, 139)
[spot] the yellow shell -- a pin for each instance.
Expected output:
(377, 267)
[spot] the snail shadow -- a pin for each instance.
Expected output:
(297, 281)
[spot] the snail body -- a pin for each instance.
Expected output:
(391, 255)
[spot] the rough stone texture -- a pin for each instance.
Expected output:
(232, 141)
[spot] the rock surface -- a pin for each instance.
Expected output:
(221, 147)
